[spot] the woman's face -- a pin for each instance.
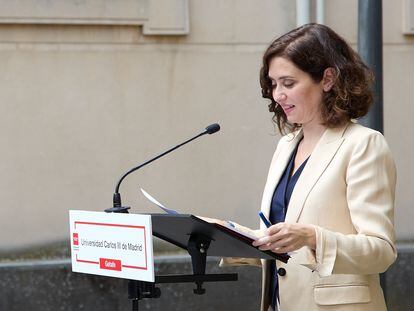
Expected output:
(294, 90)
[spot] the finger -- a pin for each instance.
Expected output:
(272, 246)
(286, 243)
(288, 248)
(281, 250)
(261, 241)
(275, 228)
(274, 234)
(267, 240)
(278, 250)
(265, 247)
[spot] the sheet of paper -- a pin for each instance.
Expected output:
(153, 200)
(232, 227)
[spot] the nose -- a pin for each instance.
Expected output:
(279, 96)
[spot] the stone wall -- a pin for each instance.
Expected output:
(50, 286)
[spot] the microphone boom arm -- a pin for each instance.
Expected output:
(156, 158)
(117, 206)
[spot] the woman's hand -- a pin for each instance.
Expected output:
(284, 237)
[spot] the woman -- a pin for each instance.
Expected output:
(331, 183)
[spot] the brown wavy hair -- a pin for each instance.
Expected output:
(314, 48)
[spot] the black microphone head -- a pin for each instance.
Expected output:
(212, 128)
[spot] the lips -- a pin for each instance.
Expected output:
(288, 108)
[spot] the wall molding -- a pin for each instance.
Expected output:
(157, 17)
(408, 17)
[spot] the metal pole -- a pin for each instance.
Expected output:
(303, 10)
(320, 11)
(370, 50)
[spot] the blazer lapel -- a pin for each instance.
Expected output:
(319, 160)
(276, 170)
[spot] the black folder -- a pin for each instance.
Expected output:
(224, 242)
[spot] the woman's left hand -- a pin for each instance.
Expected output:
(284, 237)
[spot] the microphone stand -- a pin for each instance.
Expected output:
(197, 246)
(117, 205)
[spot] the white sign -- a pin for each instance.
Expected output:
(112, 244)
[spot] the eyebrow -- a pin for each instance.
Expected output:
(281, 78)
(285, 77)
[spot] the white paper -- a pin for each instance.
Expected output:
(153, 200)
(232, 227)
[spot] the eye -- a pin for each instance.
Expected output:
(288, 83)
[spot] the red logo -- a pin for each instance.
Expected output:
(110, 264)
(75, 239)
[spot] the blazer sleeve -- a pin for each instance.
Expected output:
(370, 193)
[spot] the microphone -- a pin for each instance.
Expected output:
(117, 206)
(212, 128)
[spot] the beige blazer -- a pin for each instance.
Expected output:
(347, 190)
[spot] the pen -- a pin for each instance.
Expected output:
(265, 220)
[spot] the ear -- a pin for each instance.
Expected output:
(328, 79)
